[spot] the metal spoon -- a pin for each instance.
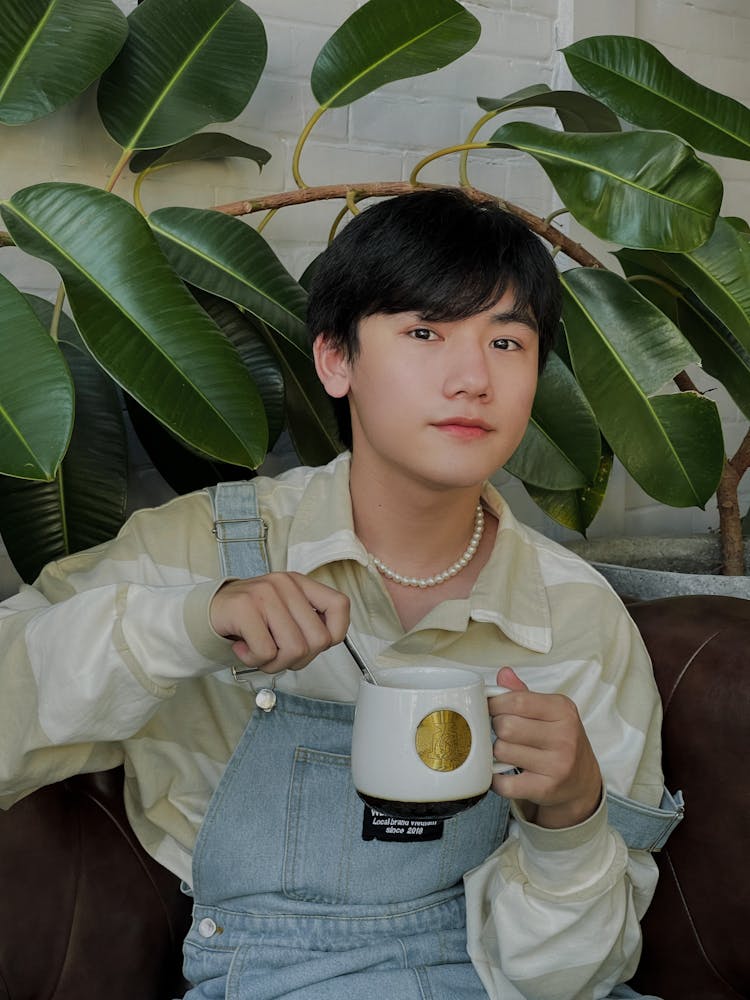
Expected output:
(358, 659)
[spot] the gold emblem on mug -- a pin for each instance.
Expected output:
(443, 740)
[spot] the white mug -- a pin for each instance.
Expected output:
(422, 742)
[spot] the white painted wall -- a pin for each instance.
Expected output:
(384, 135)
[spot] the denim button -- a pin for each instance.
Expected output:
(207, 927)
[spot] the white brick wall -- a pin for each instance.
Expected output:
(383, 136)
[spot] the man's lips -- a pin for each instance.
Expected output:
(463, 427)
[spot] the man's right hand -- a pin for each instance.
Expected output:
(280, 621)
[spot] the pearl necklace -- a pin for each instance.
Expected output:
(438, 578)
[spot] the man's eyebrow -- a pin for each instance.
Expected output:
(516, 315)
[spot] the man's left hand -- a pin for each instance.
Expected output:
(560, 783)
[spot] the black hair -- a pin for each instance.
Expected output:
(436, 252)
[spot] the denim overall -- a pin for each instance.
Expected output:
(300, 892)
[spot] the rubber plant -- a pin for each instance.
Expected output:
(188, 317)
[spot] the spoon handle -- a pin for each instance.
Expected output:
(358, 659)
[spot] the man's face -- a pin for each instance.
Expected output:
(443, 403)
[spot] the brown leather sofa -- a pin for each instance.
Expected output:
(85, 914)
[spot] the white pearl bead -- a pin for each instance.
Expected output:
(438, 578)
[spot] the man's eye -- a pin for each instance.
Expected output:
(504, 344)
(421, 333)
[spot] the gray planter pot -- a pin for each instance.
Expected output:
(649, 567)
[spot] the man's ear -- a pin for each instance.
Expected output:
(332, 367)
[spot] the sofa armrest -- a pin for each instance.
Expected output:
(695, 930)
(85, 912)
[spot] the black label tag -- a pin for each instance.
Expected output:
(378, 826)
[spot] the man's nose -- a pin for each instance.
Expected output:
(467, 371)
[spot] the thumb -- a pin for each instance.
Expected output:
(507, 677)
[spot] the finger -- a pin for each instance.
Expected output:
(331, 605)
(319, 618)
(507, 677)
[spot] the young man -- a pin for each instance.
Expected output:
(431, 316)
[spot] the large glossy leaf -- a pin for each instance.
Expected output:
(36, 393)
(555, 453)
(85, 503)
(624, 350)
(643, 189)
(633, 78)
(311, 421)
(186, 63)
(721, 354)
(387, 40)
(223, 255)
(51, 50)
(204, 146)
(718, 273)
(576, 509)
(247, 338)
(182, 468)
(577, 112)
(67, 331)
(138, 319)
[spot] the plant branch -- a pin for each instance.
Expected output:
(727, 499)
(383, 189)
(730, 517)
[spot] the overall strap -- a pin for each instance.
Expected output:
(239, 529)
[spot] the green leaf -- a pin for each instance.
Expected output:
(186, 63)
(718, 273)
(558, 454)
(633, 78)
(643, 189)
(577, 112)
(138, 320)
(36, 392)
(51, 51)
(183, 469)
(388, 40)
(85, 503)
(67, 331)
(623, 351)
(247, 338)
(225, 256)
(722, 356)
(741, 225)
(204, 146)
(576, 509)
(311, 421)
(721, 353)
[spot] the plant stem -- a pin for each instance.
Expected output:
(447, 151)
(300, 143)
(463, 161)
(265, 220)
(6, 240)
(119, 167)
(55, 322)
(390, 188)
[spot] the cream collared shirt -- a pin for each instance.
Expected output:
(110, 658)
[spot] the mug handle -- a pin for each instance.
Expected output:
(498, 767)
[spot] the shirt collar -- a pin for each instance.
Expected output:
(323, 528)
(509, 593)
